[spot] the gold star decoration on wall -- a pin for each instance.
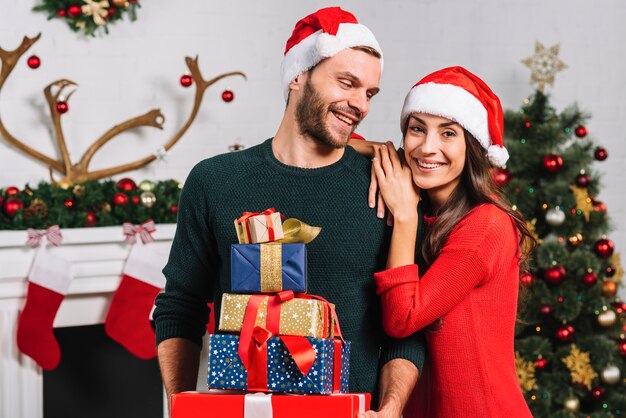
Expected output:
(544, 65)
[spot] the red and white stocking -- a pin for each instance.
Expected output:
(48, 282)
(128, 319)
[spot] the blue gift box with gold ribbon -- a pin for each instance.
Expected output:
(267, 268)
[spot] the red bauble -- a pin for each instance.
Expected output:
(61, 13)
(545, 309)
(604, 248)
(609, 271)
(555, 274)
(13, 205)
(11, 190)
(1, 201)
(501, 176)
(583, 180)
(186, 80)
(622, 347)
(120, 199)
(33, 62)
(74, 10)
(527, 279)
(552, 163)
(228, 96)
(126, 184)
(590, 278)
(599, 206)
(600, 154)
(68, 203)
(541, 363)
(174, 208)
(580, 131)
(565, 333)
(90, 219)
(111, 12)
(135, 200)
(620, 307)
(597, 393)
(61, 106)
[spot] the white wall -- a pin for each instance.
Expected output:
(137, 67)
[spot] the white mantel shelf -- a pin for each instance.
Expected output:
(97, 256)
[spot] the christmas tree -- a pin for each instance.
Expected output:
(570, 343)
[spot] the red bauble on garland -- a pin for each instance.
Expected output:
(604, 248)
(622, 347)
(120, 199)
(599, 206)
(541, 363)
(580, 131)
(74, 11)
(600, 154)
(186, 80)
(68, 203)
(61, 13)
(126, 184)
(527, 279)
(620, 307)
(33, 62)
(11, 190)
(174, 209)
(13, 205)
(135, 200)
(555, 274)
(61, 107)
(545, 309)
(583, 180)
(565, 333)
(590, 278)
(90, 219)
(228, 95)
(552, 163)
(501, 176)
(597, 393)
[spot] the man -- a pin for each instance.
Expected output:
(330, 72)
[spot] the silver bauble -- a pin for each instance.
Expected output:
(555, 216)
(607, 318)
(147, 185)
(611, 375)
(148, 199)
(571, 403)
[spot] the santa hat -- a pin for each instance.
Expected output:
(322, 35)
(459, 95)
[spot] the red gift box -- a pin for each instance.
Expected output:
(239, 405)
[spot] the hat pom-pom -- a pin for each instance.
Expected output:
(327, 45)
(497, 155)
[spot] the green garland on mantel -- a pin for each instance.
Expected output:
(94, 203)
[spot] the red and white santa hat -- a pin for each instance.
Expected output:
(459, 95)
(321, 35)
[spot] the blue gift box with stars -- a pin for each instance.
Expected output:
(226, 371)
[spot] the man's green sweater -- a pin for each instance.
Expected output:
(352, 245)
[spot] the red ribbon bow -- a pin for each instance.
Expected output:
(53, 234)
(268, 216)
(144, 230)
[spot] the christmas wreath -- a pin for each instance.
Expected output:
(89, 15)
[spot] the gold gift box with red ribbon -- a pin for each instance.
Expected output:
(258, 227)
(301, 315)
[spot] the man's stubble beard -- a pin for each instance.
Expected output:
(311, 114)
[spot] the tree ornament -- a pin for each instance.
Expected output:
(147, 185)
(583, 180)
(33, 62)
(555, 274)
(545, 309)
(599, 206)
(597, 393)
(622, 347)
(69, 203)
(527, 279)
(500, 176)
(78, 190)
(12, 205)
(541, 363)
(174, 209)
(37, 208)
(607, 318)
(555, 216)
(148, 199)
(580, 131)
(609, 271)
(90, 219)
(579, 366)
(590, 278)
(544, 65)
(119, 3)
(600, 154)
(186, 80)
(565, 333)
(604, 248)
(228, 95)
(575, 240)
(571, 404)
(126, 185)
(552, 163)
(11, 190)
(61, 107)
(135, 200)
(525, 373)
(609, 288)
(61, 13)
(74, 11)
(616, 262)
(611, 375)
(620, 307)
(120, 199)
(583, 201)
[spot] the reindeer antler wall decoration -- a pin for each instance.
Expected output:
(79, 172)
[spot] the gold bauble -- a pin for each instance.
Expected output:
(78, 190)
(148, 199)
(119, 3)
(575, 240)
(607, 318)
(609, 288)
(571, 404)
(147, 185)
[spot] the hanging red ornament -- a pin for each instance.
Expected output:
(545, 309)
(61, 13)
(583, 180)
(620, 307)
(552, 163)
(599, 206)
(61, 106)
(228, 95)
(604, 248)
(174, 209)
(541, 363)
(11, 190)
(580, 131)
(565, 333)
(111, 12)
(135, 200)
(527, 124)
(74, 11)
(527, 279)
(622, 347)
(120, 199)
(590, 278)
(501, 176)
(33, 62)
(12, 205)
(68, 203)
(555, 274)
(600, 154)
(126, 184)
(597, 393)
(186, 80)
(609, 271)
(90, 219)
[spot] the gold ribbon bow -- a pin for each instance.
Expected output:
(99, 11)
(296, 231)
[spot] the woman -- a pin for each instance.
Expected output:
(464, 292)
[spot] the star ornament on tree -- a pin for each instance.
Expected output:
(544, 65)
(578, 363)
